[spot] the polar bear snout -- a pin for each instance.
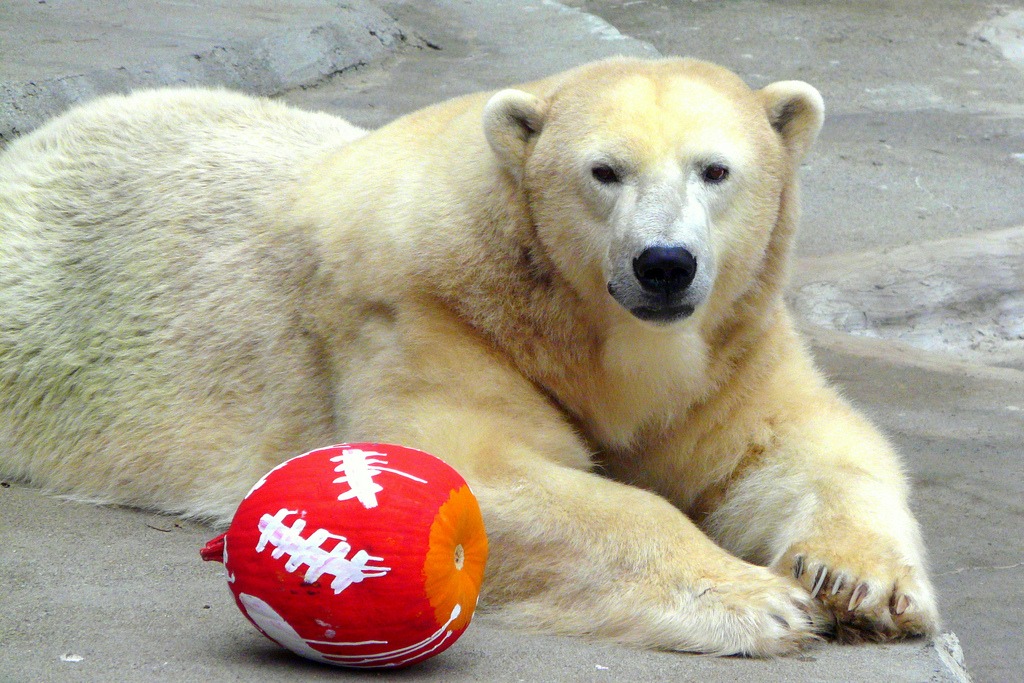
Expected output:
(665, 270)
(663, 283)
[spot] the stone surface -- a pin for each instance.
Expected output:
(56, 54)
(112, 594)
(962, 296)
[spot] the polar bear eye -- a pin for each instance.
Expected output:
(716, 173)
(604, 174)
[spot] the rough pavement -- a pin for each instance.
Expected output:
(54, 54)
(917, 147)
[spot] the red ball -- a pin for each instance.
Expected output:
(360, 555)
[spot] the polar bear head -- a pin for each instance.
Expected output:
(654, 182)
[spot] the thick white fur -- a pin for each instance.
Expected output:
(195, 285)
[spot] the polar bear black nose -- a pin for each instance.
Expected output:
(665, 270)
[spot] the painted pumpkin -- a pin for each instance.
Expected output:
(360, 555)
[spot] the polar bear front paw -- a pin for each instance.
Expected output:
(869, 598)
(752, 611)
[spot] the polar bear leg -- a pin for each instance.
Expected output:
(572, 552)
(579, 554)
(575, 553)
(829, 507)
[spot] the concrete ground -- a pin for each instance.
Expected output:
(910, 239)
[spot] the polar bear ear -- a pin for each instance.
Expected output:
(512, 121)
(796, 111)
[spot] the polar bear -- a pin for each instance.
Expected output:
(571, 291)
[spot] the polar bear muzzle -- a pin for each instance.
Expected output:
(664, 274)
(660, 287)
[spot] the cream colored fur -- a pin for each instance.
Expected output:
(195, 285)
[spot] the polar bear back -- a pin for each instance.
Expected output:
(139, 255)
(153, 144)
